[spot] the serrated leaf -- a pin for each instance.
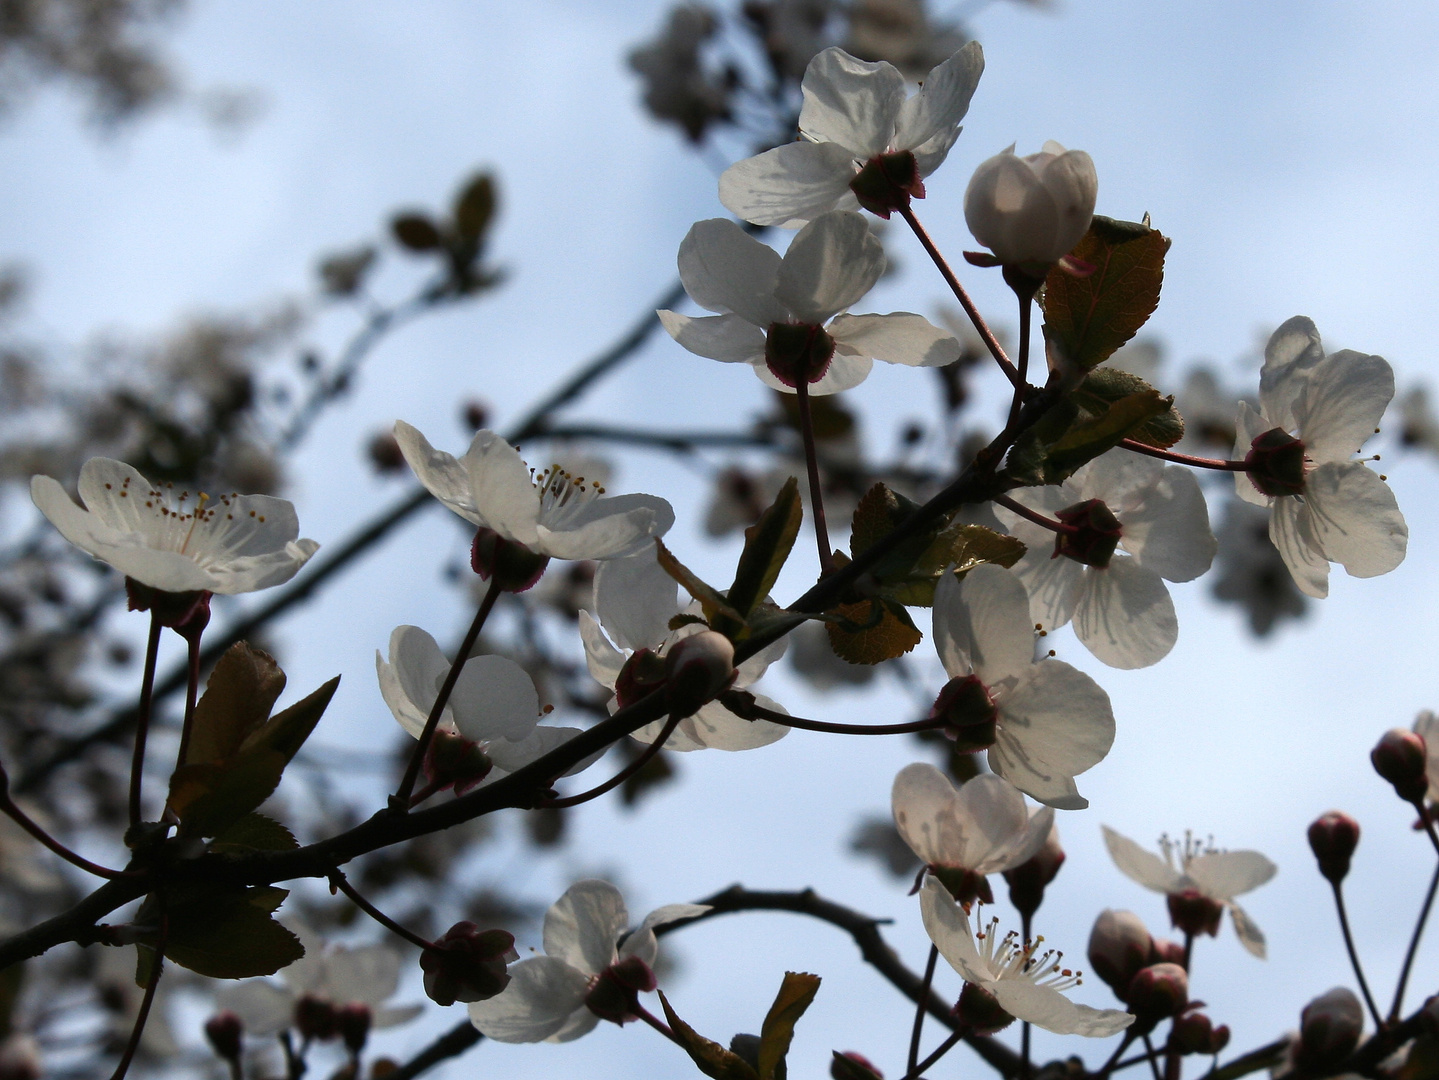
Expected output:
(238, 698)
(715, 606)
(1091, 317)
(1025, 461)
(961, 546)
(416, 232)
(475, 207)
(767, 544)
(710, 1057)
(230, 934)
(794, 997)
(879, 513)
(1105, 385)
(254, 832)
(882, 630)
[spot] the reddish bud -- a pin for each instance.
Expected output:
(467, 964)
(455, 761)
(968, 712)
(851, 1065)
(1399, 757)
(475, 414)
(385, 454)
(1156, 993)
(1027, 881)
(1090, 535)
(1119, 946)
(353, 1022)
(509, 563)
(797, 352)
(1194, 913)
(698, 669)
(1329, 1029)
(1275, 463)
(615, 994)
(1333, 838)
(1167, 951)
(981, 1011)
(887, 183)
(1195, 1033)
(316, 1019)
(640, 675)
(225, 1030)
(964, 885)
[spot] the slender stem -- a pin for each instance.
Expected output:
(1425, 820)
(401, 799)
(1188, 952)
(237, 1069)
(142, 726)
(759, 712)
(432, 788)
(1414, 944)
(1015, 506)
(659, 1025)
(1109, 1066)
(294, 1063)
(939, 1052)
(192, 692)
(1026, 924)
(1184, 459)
(624, 774)
(913, 1060)
(143, 1015)
(339, 881)
(1153, 1058)
(985, 333)
(8, 807)
(1026, 306)
(1354, 955)
(811, 461)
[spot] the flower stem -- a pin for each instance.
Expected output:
(192, 693)
(1017, 507)
(400, 800)
(1153, 1059)
(920, 1010)
(8, 807)
(752, 710)
(620, 777)
(142, 726)
(1109, 1066)
(939, 1052)
(1418, 929)
(1354, 955)
(339, 881)
(816, 493)
(659, 1025)
(143, 1015)
(1026, 307)
(1188, 951)
(1184, 459)
(985, 333)
(1025, 936)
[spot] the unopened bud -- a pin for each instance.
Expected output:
(1399, 757)
(1028, 880)
(507, 562)
(615, 994)
(1167, 951)
(353, 1021)
(980, 1011)
(851, 1065)
(225, 1030)
(1275, 463)
(1119, 945)
(697, 670)
(641, 674)
(475, 414)
(797, 352)
(1194, 913)
(968, 712)
(1329, 1028)
(1090, 535)
(385, 454)
(1333, 838)
(1156, 993)
(316, 1019)
(1195, 1033)
(467, 964)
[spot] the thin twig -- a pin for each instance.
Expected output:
(339, 881)
(620, 777)
(1413, 947)
(1354, 955)
(816, 489)
(8, 807)
(1184, 459)
(914, 1035)
(192, 690)
(143, 1015)
(142, 727)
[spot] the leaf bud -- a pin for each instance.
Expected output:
(510, 564)
(1028, 880)
(1119, 946)
(697, 670)
(615, 994)
(980, 1011)
(1333, 838)
(1399, 757)
(851, 1065)
(797, 352)
(1156, 993)
(353, 1021)
(1194, 913)
(316, 1019)
(1275, 463)
(968, 712)
(887, 183)
(224, 1030)
(467, 964)
(1329, 1029)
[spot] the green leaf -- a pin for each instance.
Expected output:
(878, 514)
(880, 630)
(710, 1057)
(1103, 386)
(254, 832)
(229, 934)
(961, 546)
(717, 610)
(794, 997)
(416, 232)
(1025, 461)
(767, 544)
(238, 698)
(475, 207)
(1069, 436)
(1089, 318)
(286, 732)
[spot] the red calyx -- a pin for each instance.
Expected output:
(887, 183)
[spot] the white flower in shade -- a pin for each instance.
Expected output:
(493, 704)
(1031, 211)
(1048, 722)
(1199, 880)
(963, 834)
(553, 513)
(855, 123)
(1028, 987)
(1315, 412)
(635, 601)
(1108, 577)
(331, 975)
(548, 997)
(778, 314)
(176, 541)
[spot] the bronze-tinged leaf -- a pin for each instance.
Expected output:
(475, 207)
(238, 698)
(960, 546)
(844, 1067)
(416, 232)
(1104, 385)
(1090, 317)
(287, 731)
(794, 997)
(879, 630)
(710, 1057)
(716, 608)
(767, 544)
(254, 832)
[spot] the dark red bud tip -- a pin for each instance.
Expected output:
(641, 674)
(455, 761)
(1333, 838)
(1091, 533)
(1192, 1033)
(851, 1065)
(187, 613)
(615, 994)
(1158, 992)
(1329, 1029)
(797, 352)
(1194, 913)
(1028, 881)
(981, 1011)
(224, 1030)
(354, 1022)
(1400, 757)
(512, 565)
(1275, 463)
(887, 183)
(1166, 951)
(316, 1019)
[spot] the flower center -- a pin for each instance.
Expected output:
(1008, 959)
(175, 520)
(558, 488)
(1091, 533)
(886, 183)
(969, 713)
(797, 352)
(1276, 463)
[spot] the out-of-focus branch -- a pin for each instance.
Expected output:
(451, 1044)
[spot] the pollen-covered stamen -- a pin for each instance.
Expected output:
(1007, 958)
(558, 487)
(1179, 854)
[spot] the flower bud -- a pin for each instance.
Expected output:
(384, 453)
(1028, 880)
(1333, 838)
(1166, 951)
(467, 964)
(1399, 757)
(1119, 946)
(615, 994)
(455, 761)
(1275, 463)
(797, 352)
(981, 1011)
(1194, 913)
(1091, 533)
(887, 183)
(641, 673)
(316, 1019)
(968, 712)
(697, 670)
(851, 1065)
(1195, 1033)
(510, 564)
(353, 1022)
(1031, 211)
(1329, 1029)
(1156, 993)
(224, 1030)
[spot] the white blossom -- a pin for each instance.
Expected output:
(982, 827)
(1031, 211)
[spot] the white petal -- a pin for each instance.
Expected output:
(1052, 726)
(1342, 404)
(750, 671)
(948, 927)
(1353, 516)
(831, 263)
(981, 827)
(502, 488)
(643, 944)
(851, 102)
(1227, 874)
(845, 373)
(1072, 184)
(510, 756)
(1250, 936)
(726, 270)
(369, 974)
(494, 698)
(789, 185)
(441, 474)
(536, 1005)
(583, 925)
(897, 338)
(1426, 726)
(1140, 865)
(1125, 616)
(716, 728)
(604, 528)
(929, 121)
(1291, 530)
(1290, 356)
(1046, 1007)
(603, 659)
(1009, 211)
(1119, 477)
(635, 600)
(730, 339)
(418, 667)
(1168, 532)
(981, 625)
(264, 1007)
(922, 800)
(1248, 426)
(663, 916)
